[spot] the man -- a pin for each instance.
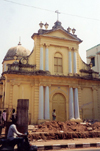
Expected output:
(13, 136)
(14, 117)
(4, 117)
(54, 115)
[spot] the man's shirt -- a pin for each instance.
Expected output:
(12, 132)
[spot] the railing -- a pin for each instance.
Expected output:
(21, 67)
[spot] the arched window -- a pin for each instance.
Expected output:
(58, 63)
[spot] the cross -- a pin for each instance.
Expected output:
(57, 14)
(19, 40)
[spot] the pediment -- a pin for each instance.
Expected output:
(59, 33)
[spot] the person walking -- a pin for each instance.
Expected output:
(4, 117)
(14, 117)
(54, 115)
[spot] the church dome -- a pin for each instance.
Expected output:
(18, 51)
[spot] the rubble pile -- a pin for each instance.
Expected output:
(64, 130)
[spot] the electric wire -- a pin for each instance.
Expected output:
(50, 10)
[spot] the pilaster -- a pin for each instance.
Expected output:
(10, 105)
(80, 100)
(11, 96)
(47, 58)
(41, 106)
(78, 57)
(36, 101)
(95, 103)
(47, 116)
(70, 61)
(71, 106)
(41, 57)
(75, 61)
(37, 55)
(76, 104)
(32, 104)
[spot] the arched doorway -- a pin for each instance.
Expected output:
(59, 104)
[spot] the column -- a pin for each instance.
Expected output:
(4, 105)
(71, 108)
(31, 118)
(76, 104)
(70, 61)
(40, 102)
(41, 58)
(11, 96)
(47, 59)
(75, 62)
(47, 116)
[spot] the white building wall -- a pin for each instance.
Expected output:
(94, 52)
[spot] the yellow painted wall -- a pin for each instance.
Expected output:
(20, 86)
(27, 87)
(55, 45)
(87, 103)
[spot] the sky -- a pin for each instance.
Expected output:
(21, 18)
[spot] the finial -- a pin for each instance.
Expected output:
(19, 40)
(46, 25)
(57, 14)
(73, 31)
(69, 29)
(41, 24)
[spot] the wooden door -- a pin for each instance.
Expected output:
(22, 114)
(59, 104)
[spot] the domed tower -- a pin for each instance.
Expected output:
(14, 54)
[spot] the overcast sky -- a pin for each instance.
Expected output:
(21, 18)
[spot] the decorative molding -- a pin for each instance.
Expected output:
(45, 84)
(19, 84)
(31, 84)
(75, 50)
(94, 88)
(58, 91)
(79, 87)
(12, 84)
(74, 86)
(41, 44)
(69, 48)
(47, 45)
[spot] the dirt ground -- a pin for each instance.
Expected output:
(64, 130)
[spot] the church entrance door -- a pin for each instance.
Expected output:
(59, 104)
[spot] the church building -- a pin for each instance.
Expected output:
(52, 76)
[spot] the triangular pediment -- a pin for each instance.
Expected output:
(60, 33)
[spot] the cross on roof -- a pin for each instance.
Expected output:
(57, 14)
(19, 40)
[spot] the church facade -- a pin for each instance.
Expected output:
(52, 76)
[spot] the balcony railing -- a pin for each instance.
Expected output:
(19, 67)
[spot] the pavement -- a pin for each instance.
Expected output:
(69, 143)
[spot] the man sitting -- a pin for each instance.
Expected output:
(13, 136)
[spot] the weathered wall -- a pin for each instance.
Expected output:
(27, 87)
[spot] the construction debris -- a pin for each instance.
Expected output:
(64, 130)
